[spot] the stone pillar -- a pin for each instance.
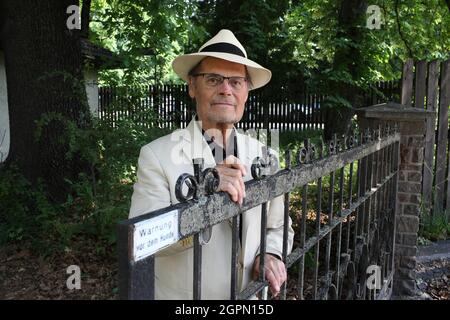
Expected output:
(412, 126)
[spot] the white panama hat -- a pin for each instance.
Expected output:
(223, 45)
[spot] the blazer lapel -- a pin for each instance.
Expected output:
(245, 153)
(195, 146)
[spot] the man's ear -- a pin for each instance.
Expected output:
(191, 86)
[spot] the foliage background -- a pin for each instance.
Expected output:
(298, 40)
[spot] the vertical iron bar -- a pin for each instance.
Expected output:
(262, 251)
(316, 257)
(339, 232)
(386, 171)
(390, 159)
(197, 267)
(363, 234)
(386, 189)
(376, 179)
(198, 164)
(235, 257)
(369, 187)
(350, 199)
(330, 220)
(396, 157)
(286, 225)
(382, 177)
(391, 198)
(285, 239)
(136, 279)
(369, 212)
(357, 212)
(379, 164)
(363, 190)
(302, 242)
(376, 207)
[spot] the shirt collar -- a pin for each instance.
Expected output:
(231, 148)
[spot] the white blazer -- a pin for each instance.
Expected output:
(160, 164)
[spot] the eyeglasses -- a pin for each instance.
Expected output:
(213, 80)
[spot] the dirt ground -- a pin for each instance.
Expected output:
(433, 278)
(25, 275)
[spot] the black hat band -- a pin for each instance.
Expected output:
(223, 47)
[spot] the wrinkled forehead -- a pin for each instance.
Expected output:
(220, 66)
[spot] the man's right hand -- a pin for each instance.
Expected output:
(231, 171)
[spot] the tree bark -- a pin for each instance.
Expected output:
(346, 58)
(43, 65)
(85, 18)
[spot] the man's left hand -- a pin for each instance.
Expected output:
(274, 270)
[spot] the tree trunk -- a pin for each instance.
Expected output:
(85, 18)
(346, 58)
(44, 75)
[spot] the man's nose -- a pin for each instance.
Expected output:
(225, 87)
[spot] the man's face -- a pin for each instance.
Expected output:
(220, 105)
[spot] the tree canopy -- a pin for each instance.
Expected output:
(295, 39)
(331, 46)
(147, 35)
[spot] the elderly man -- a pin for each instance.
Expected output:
(219, 77)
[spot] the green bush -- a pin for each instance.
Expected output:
(435, 226)
(26, 211)
(98, 198)
(293, 140)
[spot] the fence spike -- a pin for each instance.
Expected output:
(265, 165)
(396, 127)
(321, 146)
(288, 155)
(302, 155)
(332, 146)
(350, 141)
(372, 132)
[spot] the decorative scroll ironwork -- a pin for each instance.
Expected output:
(201, 184)
(265, 165)
(333, 146)
(307, 153)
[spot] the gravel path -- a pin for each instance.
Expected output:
(433, 271)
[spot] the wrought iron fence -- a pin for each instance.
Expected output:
(335, 251)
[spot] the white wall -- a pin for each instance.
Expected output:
(91, 81)
(4, 115)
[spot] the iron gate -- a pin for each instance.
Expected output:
(351, 235)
